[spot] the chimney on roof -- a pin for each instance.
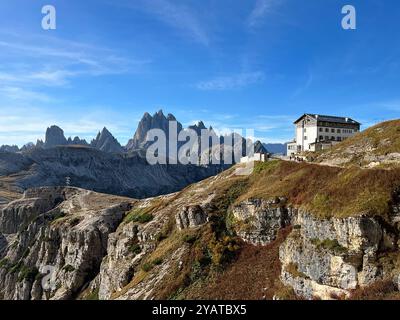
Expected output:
(316, 116)
(347, 119)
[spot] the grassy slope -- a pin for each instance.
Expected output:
(379, 140)
(326, 191)
(219, 266)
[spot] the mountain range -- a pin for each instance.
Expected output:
(106, 142)
(324, 229)
(102, 165)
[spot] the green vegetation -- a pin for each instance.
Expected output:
(324, 191)
(330, 245)
(94, 295)
(24, 272)
(68, 268)
(189, 238)
(75, 221)
(265, 166)
(144, 214)
(5, 263)
(166, 230)
(135, 249)
(146, 267)
(139, 215)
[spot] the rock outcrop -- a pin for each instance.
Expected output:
(258, 221)
(61, 230)
(91, 169)
(106, 142)
(191, 217)
(54, 137)
(326, 259)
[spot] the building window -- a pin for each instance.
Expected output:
(305, 129)
(333, 130)
(333, 138)
(338, 130)
(326, 130)
(326, 138)
(339, 138)
(321, 138)
(321, 129)
(305, 137)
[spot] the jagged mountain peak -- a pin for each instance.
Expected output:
(148, 122)
(54, 137)
(106, 142)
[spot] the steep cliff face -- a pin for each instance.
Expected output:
(54, 240)
(326, 259)
(54, 137)
(258, 221)
(99, 171)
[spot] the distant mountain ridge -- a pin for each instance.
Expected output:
(276, 148)
(106, 142)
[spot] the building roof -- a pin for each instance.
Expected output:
(325, 118)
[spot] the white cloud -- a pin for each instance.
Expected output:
(52, 61)
(232, 82)
(177, 16)
(21, 94)
(261, 9)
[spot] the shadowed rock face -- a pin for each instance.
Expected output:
(7, 148)
(99, 171)
(65, 228)
(54, 137)
(106, 142)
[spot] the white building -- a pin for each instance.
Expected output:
(314, 132)
(262, 157)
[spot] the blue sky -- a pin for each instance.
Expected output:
(231, 63)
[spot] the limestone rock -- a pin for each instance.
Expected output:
(258, 221)
(191, 217)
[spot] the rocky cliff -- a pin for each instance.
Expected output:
(54, 240)
(95, 170)
(106, 142)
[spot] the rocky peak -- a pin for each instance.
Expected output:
(54, 137)
(198, 127)
(260, 148)
(7, 148)
(148, 122)
(77, 141)
(106, 142)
